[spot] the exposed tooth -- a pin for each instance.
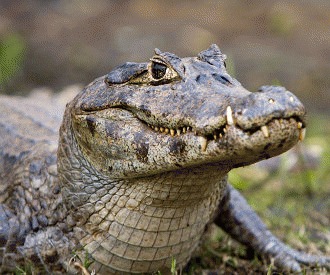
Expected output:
(224, 130)
(161, 129)
(184, 130)
(302, 134)
(188, 128)
(264, 130)
(215, 136)
(229, 115)
(299, 125)
(172, 132)
(166, 130)
(203, 143)
(156, 128)
(153, 127)
(178, 132)
(220, 135)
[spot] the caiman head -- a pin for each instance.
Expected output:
(173, 113)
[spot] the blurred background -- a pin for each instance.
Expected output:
(56, 43)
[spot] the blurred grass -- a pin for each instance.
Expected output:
(12, 52)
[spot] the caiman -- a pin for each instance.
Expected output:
(138, 168)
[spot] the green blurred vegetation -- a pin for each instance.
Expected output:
(12, 52)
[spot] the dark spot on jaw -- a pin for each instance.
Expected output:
(142, 147)
(177, 147)
(91, 123)
(142, 152)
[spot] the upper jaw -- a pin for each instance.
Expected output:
(249, 114)
(284, 112)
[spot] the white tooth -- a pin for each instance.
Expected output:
(264, 130)
(225, 130)
(156, 128)
(203, 143)
(166, 131)
(215, 136)
(302, 134)
(229, 115)
(184, 130)
(220, 135)
(188, 128)
(161, 129)
(172, 132)
(299, 125)
(178, 132)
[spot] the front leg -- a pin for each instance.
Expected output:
(10, 238)
(43, 250)
(237, 218)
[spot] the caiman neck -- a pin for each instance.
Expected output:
(154, 214)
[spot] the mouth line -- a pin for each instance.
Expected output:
(220, 133)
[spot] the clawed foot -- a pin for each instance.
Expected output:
(289, 259)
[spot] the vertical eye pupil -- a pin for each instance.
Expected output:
(158, 70)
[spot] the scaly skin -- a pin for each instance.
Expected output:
(142, 162)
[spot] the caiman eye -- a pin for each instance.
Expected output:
(158, 70)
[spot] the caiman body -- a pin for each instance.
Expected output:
(141, 167)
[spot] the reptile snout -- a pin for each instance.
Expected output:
(270, 102)
(280, 96)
